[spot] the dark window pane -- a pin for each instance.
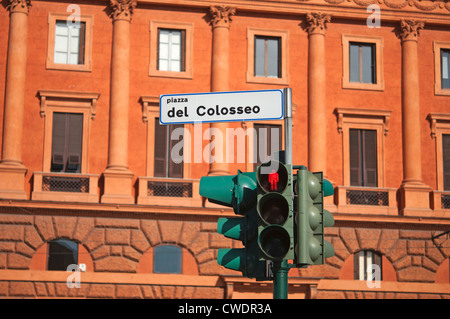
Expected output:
(367, 63)
(354, 63)
(355, 158)
(164, 166)
(67, 141)
(160, 164)
(445, 69)
(273, 58)
(260, 53)
(167, 259)
(61, 254)
(363, 158)
(446, 160)
(268, 56)
(267, 141)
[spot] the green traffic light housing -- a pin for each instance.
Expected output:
(239, 192)
(311, 218)
(275, 211)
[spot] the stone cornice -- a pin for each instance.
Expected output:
(430, 11)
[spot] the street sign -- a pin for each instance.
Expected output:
(221, 107)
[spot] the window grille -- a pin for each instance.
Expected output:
(362, 197)
(65, 184)
(169, 189)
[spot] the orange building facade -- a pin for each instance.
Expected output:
(87, 176)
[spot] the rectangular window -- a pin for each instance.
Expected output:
(445, 69)
(164, 165)
(69, 42)
(268, 56)
(363, 158)
(446, 160)
(268, 140)
(361, 262)
(171, 50)
(362, 63)
(67, 141)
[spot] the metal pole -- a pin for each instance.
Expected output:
(280, 280)
(280, 268)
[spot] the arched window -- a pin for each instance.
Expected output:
(365, 259)
(61, 253)
(167, 259)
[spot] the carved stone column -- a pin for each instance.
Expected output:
(12, 171)
(415, 194)
(220, 22)
(317, 132)
(117, 176)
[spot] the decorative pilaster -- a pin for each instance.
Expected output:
(415, 195)
(220, 22)
(317, 137)
(118, 178)
(12, 171)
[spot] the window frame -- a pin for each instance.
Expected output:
(154, 49)
(440, 125)
(249, 130)
(362, 152)
(438, 46)
(365, 119)
(179, 252)
(150, 108)
(358, 270)
(283, 35)
(49, 256)
(377, 43)
(50, 63)
(67, 102)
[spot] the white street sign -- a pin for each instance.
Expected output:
(221, 107)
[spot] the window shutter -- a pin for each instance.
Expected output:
(75, 142)
(446, 160)
(355, 158)
(175, 169)
(160, 150)
(58, 142)
(81, 47)
(370, 157)
(183, 51)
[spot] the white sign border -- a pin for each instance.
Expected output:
(222, 121)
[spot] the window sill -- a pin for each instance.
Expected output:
(69, 67)
(171, 74)
(362, 86)
(267, 80)
(439, 91)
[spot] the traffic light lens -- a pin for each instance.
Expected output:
(272, 176)
(274, 209)
(274, 241)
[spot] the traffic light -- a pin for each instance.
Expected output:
(239, 192)
(311, 218)
(275, 211)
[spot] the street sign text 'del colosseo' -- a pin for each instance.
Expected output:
(221, 107)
